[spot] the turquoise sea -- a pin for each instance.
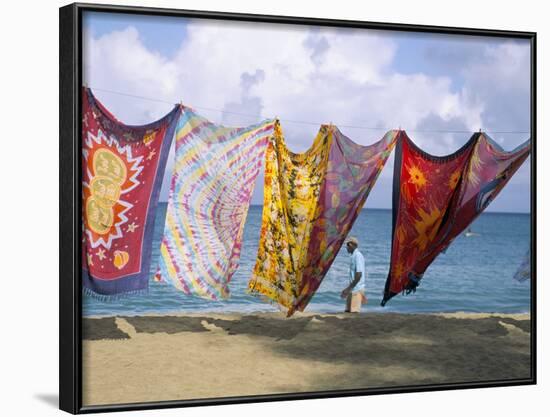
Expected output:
(474, 275)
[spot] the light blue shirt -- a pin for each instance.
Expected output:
(357, 264)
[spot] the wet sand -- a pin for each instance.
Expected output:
(157, 358)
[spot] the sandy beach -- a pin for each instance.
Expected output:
(156, 358)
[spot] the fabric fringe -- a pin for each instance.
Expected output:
(114, 297)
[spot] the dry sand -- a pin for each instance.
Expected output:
(156, 358)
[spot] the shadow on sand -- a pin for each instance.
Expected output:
(458, 350)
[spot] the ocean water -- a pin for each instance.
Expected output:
(474, 275)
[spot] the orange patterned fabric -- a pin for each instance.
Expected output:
(311, 201)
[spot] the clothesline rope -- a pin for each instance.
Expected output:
(301, 121)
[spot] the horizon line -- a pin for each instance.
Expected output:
(389, 209)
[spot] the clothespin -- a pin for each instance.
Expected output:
(272, 137)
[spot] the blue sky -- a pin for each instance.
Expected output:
(420, 82)
(161, 35)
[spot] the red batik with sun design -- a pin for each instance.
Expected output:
(426, 187)
(436, 198)
(120, 169)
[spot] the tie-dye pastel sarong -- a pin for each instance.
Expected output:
(436, 198)
(213, 179)
(310, 203)
(122, 171)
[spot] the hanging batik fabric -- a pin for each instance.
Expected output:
(310, 203)
(122, 171)
(524, 271)
(214, 175)
(436, 198)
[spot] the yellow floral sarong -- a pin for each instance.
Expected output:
(310, 203)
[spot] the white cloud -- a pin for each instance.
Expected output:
(120, 62)
(305, 74)
(348, 82)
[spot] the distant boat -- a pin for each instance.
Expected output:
(469, 233)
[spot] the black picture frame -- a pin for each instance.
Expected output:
(70, 235)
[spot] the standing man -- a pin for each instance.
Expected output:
(354, 293)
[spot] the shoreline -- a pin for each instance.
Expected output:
(458, 314)
(162, 357)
